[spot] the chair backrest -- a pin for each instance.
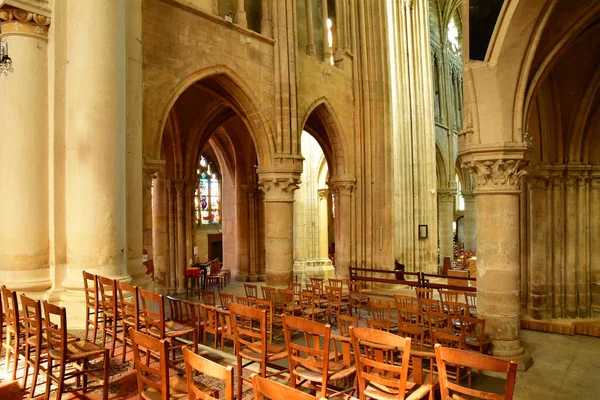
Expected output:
(334, 298)
(448, 295)
(471, 359)
(153, 307)
(194, 314)
(354, 286)
(287, 300)
(376, 353)
(208, 297)
(108, 293)
(405, 302)
(246, 301)
(195, 362)
(129, 302)
(210, 317)
(318, 282)
(313, 352)
(225, 299)
(269, 389)
(335, 282)
(145, 349)
(471, 299)
(424, 293)
(55, 323)
(296, 287)
(428, 305)
(90, 286)
(380, 310)
(268, 293)
(267, 306)
(251, 290)
(415, 333)
(11, 310)
(179, 312)
(344, 324)
(32, 319)
(249, 329)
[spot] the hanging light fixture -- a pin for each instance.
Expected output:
(5, 61)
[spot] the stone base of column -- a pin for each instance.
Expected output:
(512, 350)
(262, 277)
(313, 267)
(279, 279)
(137, 271)
(252, 278)
(33, 282)
(240, 277)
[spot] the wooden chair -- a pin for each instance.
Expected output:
(196, 363)
(79, 353)
(194, 313)
(472, 360)
(310, 308)
(378, 374)
(14, 337)
(35, 339)
(226, 326)
(268, 293)
(251, 290)
(268, 389)
(357, 298)
(309, 360)
(109, 309)
(403, 301)
(154, 381)
(448, 296)
(471, 300)
(267, 306)
(339, 283)
(297, 288)
(215, 279)
(153, 307)
(335, 303)
(92, 305)
(424, 293)
(245, 301)
(208, 297)
(211, 322)
(250, 332)
(225, 272)
(130, 312)
(225, 299)
(182, 313)
(381, 316)
(344, 324)
(474, 337)
(288, 302)
(319, 298)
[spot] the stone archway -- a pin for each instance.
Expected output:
(212, 116)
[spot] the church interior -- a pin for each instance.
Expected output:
(205, 184)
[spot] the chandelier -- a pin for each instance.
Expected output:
(5, 61)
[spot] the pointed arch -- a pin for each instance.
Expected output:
(242, 102)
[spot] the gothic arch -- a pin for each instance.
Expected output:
(330, 137)
(241, 101)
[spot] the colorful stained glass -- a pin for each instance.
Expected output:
(214, 203)
(205, 217)
(204, 203)
(214, 188)
(204, 187)
(207, 199)
(216, 218)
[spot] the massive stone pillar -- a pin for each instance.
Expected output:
(278, 187)
(445, 218)
(470, 222)
(179, 270)
(497, 174)
(24, 241)
(344, 187)
(595, 242)
(95, 146)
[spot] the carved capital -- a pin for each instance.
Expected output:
(344, 184)
(539, 181)
(279, 188)
(496, 168)
(595, 181)
(446, 194)
(323, 193)
(14, 21)
(408, 4)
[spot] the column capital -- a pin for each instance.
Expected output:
(446, 194)
(152, 166)
(496, 169)
(323, 193)
(539, 181)
(467, 194)
(344, 184)
(595, 179)
(279, 187)
(18, 22)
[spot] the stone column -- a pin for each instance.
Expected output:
(151, 167)
(343, 213)
(172, 235)
(160, 240)
(266, 27)
(595, 242)
(470, 224)
(325, 30)
(571, 249)
(323, 225)
(497, 174)
(446, 199)
(240, 14)
(278, 188)
(190, 186)
(24, 240)
(311, 50)
(251, 191)
(95, 146)
(180, 227)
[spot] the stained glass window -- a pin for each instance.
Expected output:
(207, 197)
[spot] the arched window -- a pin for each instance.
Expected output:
(207, 197)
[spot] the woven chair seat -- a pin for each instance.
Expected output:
(380, 392)
(179, 389)
(336, 371)
(32, 339)
(274, 352)
(79, 349)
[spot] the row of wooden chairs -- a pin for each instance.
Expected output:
(43, 343)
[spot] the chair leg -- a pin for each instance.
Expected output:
(124, 341)
(114, 336)
(7, 352)
(61, 379)
(105, 377)
(87, 323)
(36, 370)
(240, 379)
(26, 366)
(15, 359)
(48, 379)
